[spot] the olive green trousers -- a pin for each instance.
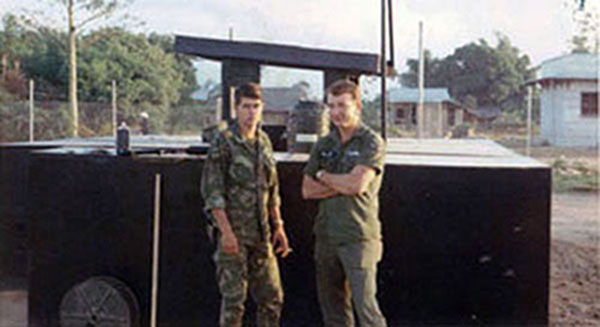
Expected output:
(346, 280)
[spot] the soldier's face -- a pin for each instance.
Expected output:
(249, 113)
(344, 111)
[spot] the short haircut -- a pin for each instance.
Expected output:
(342, 86)
(248, 90)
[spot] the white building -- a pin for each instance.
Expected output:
(569, 100)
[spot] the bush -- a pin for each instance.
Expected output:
(463, 130)
(509, 119)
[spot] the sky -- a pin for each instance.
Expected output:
(539, 28)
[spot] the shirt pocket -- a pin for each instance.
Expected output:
(241, 170)
(328, 160)
(348, 160)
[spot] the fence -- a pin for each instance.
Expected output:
(36, 115)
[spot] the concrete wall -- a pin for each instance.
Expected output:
(561, 121)
(435, 115)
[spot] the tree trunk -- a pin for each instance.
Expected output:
(17, 67)
(4, 65)
(73, 69)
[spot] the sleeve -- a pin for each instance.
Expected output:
(213, 175)
(312, 166)
(373, 153)
(274, 197)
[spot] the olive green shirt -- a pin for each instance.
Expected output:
(344, 218)
(240, 177)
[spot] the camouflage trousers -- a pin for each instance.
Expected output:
(254, 269)
(346, 280)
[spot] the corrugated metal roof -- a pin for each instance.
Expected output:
(412, 95)
(571, 66)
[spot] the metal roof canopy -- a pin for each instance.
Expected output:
(278, 55)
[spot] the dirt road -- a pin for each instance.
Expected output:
(575, 260)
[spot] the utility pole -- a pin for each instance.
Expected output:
(31, 114)
(529, 105)
(420, 114)
(114, 107)
(73, 67)
(383, 73)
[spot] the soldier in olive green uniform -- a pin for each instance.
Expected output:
(240, 188)
(344, 173)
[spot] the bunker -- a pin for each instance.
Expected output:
(465, 222)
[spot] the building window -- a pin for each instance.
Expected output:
(451, 117)
(589, 104)
(400, 114)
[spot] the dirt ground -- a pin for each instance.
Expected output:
(575, 246)
(575, 260)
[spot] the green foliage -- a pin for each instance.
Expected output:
(185, 119)
(509, 119)
(15, 41)
(48, 65)
(573, 176)
(462, 130)
(150, 76)
(371, 113)
(493, 76)
(146, 76)
(587, 26)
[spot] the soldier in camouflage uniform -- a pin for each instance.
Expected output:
(240, 188)
(344, 173)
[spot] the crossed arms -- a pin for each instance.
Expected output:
(328, 185)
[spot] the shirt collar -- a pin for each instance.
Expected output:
(360, 130)
(237, 135)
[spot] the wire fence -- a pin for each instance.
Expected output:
(36, 116)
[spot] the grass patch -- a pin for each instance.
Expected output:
(573, 176)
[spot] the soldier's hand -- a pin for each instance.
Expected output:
(280, 242)
(230, 243)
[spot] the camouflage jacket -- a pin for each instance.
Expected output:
(240, 177)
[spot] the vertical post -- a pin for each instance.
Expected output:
(31, 116)
(529, 108)
(73, 67)
(230, 33)
(391, 30)
(231, 102)
(233, 74)
(383, 74)
(155, 252)
(114, 107)
(420, 114)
